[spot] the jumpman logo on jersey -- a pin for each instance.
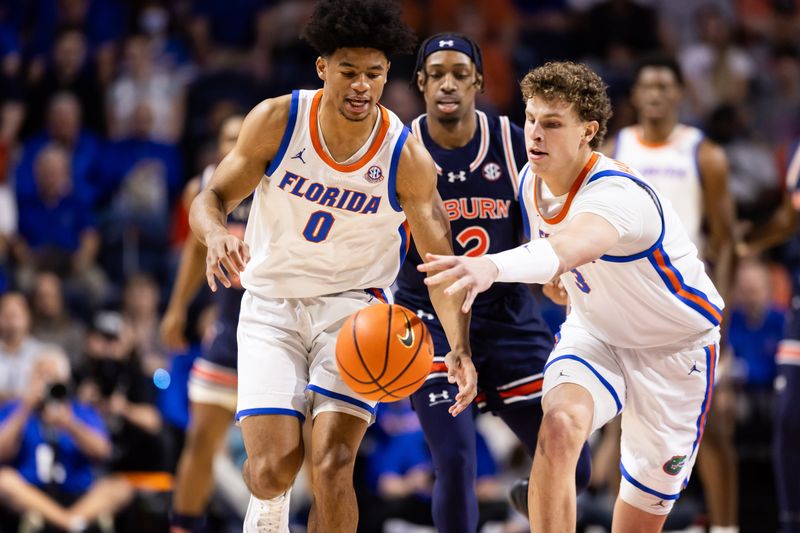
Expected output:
(694, 369)
(461, 175)
(299, 156)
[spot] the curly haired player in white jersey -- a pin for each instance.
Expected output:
(328, 229)
(641, 335)
(692, 172)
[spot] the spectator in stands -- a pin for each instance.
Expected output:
(18, 349)
(114, 382)
(50, 442)
(140, 305)
(755, 327)
(142, 81)
(8, 225)
(64, 128)
(57, 230)
(68, 70)
(52, 322)
(717, 70)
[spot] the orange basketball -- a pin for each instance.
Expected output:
(384, 352)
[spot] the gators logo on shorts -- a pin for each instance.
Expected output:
(674, 466)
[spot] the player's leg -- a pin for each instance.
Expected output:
(335, 438)
(657, 457)
(583, 389)
(566, 424)
(340, 416)
(212, 403)
(452, 444)
(787, 436)
(717, 465)
(271, 405)
(194, 476)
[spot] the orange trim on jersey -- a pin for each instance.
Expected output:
(710, 392)
(572, 192)
(377, 293)
(523, 390)
(317, 143)
(785, 353)
(216, 377)
(438, 367)
(678, 288)
(637, 130)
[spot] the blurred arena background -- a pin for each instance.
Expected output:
(109, 107)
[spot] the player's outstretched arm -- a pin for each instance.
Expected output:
(235, 178)
(187, 282)
(720, 213)
(585, 238)
(416, 190)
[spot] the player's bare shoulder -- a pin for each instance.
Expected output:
(263, 128)
(416, 172)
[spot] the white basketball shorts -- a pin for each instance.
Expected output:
(287, 361)
(664, 396)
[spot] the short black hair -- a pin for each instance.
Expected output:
(374, 24)
(659, 61)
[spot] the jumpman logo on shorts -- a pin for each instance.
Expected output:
(659, 504)
(694, 369)
(299, 156)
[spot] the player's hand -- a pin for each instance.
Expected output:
(556, 292)
(172, 327)
(461, 371)
(473, 274)
(228, 251)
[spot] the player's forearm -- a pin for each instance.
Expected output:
(207, 215)
(533, 262)
(191, 273)
(454, 321)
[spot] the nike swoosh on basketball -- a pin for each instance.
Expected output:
(408, 338)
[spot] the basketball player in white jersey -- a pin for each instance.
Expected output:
(328, 229)
(642, 333)
(692, 172)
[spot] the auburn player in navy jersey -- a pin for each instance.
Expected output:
(477, 156)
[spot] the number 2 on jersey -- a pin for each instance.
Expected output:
(474, 233)
(318, 226)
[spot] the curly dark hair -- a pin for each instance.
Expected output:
(374, 24)
(572, 83)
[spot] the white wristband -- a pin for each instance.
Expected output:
(534, 262)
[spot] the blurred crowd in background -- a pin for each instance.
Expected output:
(107, 109)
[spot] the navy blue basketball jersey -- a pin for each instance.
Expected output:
(478, 184)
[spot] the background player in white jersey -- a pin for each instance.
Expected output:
(692, 173)
(212, 385)
(643, 327)
(327, 224)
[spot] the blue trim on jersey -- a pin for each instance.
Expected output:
(645, 488)
(403, 242)
(697, 159)
(526, 225)
(603, 380)
(691, 290)
(270, 411)
(287, 134)
(392, 184)
(338, 396)
(657, 244)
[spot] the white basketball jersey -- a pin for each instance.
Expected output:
(671, 167)
(644, 293)
(319, 227)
